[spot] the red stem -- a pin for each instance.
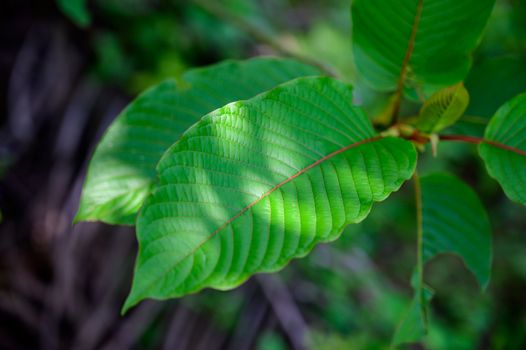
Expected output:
(479, 140)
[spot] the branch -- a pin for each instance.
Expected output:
(217, 10)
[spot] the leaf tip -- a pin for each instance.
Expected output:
(79, 217)
(129, 303)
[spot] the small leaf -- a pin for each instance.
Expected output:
(257, 183)
(443, 109)
(122, 170)
(76, 10)
(426, 43)
(504, 150)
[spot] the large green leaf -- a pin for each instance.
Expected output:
(422, 42)
(504, 151)
(490, 83)
(257, 183)
(455, 221)
(122, 170)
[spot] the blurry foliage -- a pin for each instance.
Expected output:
(506, 29)
(137, 43)
(76, 10)
(143, 42)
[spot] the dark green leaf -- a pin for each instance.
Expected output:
(455, 221)
(505, 150)
(490, 83)
(257, 183)
(425, 43)
(122, 170)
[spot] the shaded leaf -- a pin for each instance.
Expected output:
(443, 108)
(424, 42)
(505, 150)
(455, 221)
(259, 182)
(122, 170)
(490, 83)
(76, 10)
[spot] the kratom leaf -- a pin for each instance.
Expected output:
(425, 43)
(455, 221)
(76, 10)
(122, 170)
(259, 182)
(490, 83)
(443, 108)
(504, 150)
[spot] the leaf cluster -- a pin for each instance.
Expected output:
(239, 167)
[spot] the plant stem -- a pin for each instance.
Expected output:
(218, 11)
(479, 140)
(419, 232)
(462, 138)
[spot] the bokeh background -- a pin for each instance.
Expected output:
(63, 80)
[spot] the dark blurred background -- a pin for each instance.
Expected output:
(61, 286)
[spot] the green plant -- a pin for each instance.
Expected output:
(239, 167)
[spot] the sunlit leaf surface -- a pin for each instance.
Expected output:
(122, 170)
(257, 183)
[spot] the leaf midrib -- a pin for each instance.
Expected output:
(264, 195)
(410, 48)
(504, 147)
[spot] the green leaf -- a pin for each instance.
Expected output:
(443, 108)
(504, 150)
(259, 182)
(455, 221)
(490, 83)
(426, 43)
(76, 10)
(122, 170)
